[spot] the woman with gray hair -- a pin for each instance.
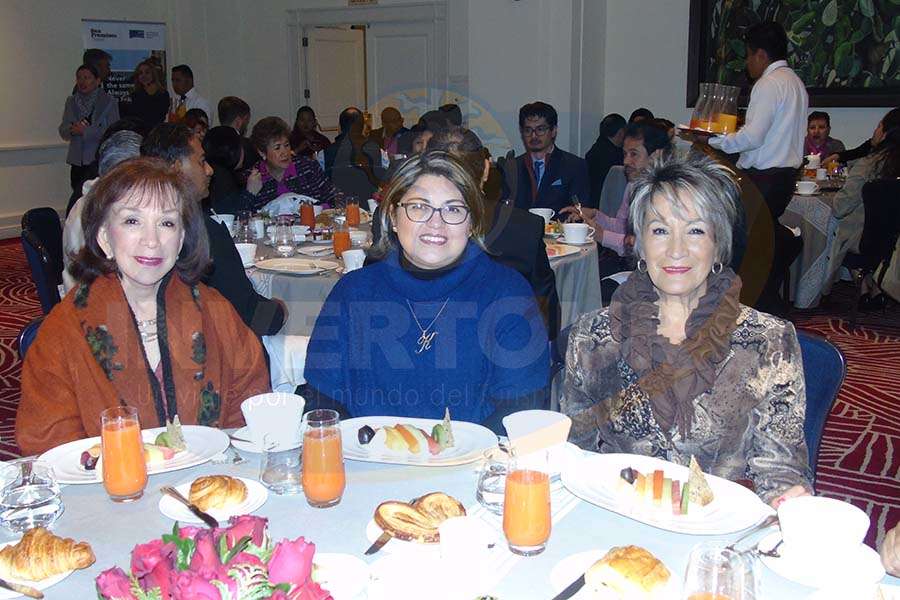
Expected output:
(676, 367)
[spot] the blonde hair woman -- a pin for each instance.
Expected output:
(149, 98)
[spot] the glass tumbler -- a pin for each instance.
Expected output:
(491, 483)
(715, 572)
(30, 495)
(323, 459)
(279, 468)
(284, 237)
(122, 454)
(526, 504)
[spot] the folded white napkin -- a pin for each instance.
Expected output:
(287, 358)
(286, 204)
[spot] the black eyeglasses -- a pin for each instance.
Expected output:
(451, 214)
(540, 130)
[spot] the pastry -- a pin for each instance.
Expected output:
(419, 521)
(217, 492)
(629, 571)
(40, 554)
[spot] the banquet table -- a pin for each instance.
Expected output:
(114, 529)
(813, 215)
(577, 284)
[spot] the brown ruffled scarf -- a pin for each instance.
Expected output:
(673, 376)
(110, 329)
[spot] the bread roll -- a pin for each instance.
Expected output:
(217, 492)
(629, 571)
(40, 554)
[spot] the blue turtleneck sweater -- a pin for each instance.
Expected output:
(490, 344)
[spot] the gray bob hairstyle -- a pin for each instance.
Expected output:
(712, 187)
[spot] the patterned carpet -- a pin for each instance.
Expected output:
(860, 456)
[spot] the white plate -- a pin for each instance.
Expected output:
(319, 242)
(471, 440)
(244, 433)
(42, 585)
(587, 242)
(315, 251)
(560, 250)
(423, 576)
(297, 266)
(595, 479)
(257, 494)
(344, 576)
(861, 566)
(203, 443)
(815, 193)
(572, 567)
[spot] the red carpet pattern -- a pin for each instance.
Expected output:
(18, 305)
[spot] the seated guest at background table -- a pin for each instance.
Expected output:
(198, 122)
(436, 323)
(547, 176)
(179, 146)
(118, 147)
(860, 151)
(305, 138)
(818, 136)
(604, 154)
(847, 205)
(225, 154)
(676, 366)
(149, 97)
(139, 329)
(353, 161)
(390, 131)
(278, 172)
(235, 113)
(640, 114)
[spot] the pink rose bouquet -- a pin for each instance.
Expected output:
(237, 562)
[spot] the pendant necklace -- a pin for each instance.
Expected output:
(427, 336)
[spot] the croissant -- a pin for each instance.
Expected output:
(40, 554)
(217, 492)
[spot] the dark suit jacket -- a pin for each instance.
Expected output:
(377, 135)
(263, 316)
(600, 158)
(564, 176)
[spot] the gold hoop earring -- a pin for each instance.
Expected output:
(642, 265)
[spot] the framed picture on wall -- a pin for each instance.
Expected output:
(846, 51)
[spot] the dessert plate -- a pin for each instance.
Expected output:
(559, 250)
(203, 443)
(595, 478)
(587, 242)
(41, 585)
(257, 494)
(860, 566)
(574, 566)
(297, 266)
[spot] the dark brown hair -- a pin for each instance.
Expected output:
(268, 130)
(147, 180)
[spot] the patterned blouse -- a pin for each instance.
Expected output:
(303, 176)
(748, 426)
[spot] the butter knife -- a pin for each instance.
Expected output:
(572, 589)
(203, 516)
(25, 590)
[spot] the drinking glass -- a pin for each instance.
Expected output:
(697, 120)
(307, 215)
(122, 454)
(279, 468)
(352, 210)
(340, 239)
(715, 572)
(284, 236)
(526, 504)
(244, 232)
(491, 483)
(323, 459)
(30, 496)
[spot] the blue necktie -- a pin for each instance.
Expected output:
(538, 171)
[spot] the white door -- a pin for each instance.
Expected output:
(335, 73)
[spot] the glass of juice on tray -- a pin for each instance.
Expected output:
(526, 504)
(715, 572)
(122, 454)
(323, 460)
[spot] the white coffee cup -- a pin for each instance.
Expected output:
(577, 233)
(259, 228)
(813, 161)
(226, 220)
(373, 204)
(276, 415)
(807, 187)
(546, 213)
(821, 530)
(353, 259)
(247, 252)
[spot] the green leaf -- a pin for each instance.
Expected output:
(184, 548)
(844, 66)
(736, 65)
(842, 52)
(237, 549)
(802, 23)
(831, 75)
(888, 59)
(830, 14)
(284, 587)
(857, 37)
(857, 67)
(867, 8)
(738, 47)
(877, 28)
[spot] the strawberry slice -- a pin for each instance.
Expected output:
(433, 447)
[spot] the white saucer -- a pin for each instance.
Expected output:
(862, 565)
(562, 240)
(257, 494)
(244, 433)
(815, 193)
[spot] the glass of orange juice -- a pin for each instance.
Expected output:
(352, 210)
(526, 504)
(323, 460)
(715, 572)
(122, 454)
(340, 239)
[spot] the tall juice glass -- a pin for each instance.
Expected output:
(307, 215)
(340, 239)
(526, 505)
(323, 460)
(352, 213)
(122, 454)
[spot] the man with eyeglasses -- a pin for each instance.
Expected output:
(546, 176)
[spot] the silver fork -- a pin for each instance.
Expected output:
(238, 459)
(773, 551)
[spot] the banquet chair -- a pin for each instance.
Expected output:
(42, 243)
(27, 335)
(824, 368)
(879, 236)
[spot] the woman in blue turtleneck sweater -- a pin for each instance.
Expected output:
(436, 323)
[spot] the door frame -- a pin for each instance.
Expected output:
(434, 13)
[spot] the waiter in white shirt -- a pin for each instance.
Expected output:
(185, 96)
(771, 141)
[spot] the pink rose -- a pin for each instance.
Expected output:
(159, 577)
(188, 585)
(205, 560)
(189, 532)
(246, 525)
(114, 584)
(244, 558)
(291, 562)
(309, 591)
(145, 557)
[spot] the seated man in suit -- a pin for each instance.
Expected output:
(547, 176)
(605, 154)
(388, 135)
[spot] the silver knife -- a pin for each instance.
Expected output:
(205, 517)
(572, 589)
(25, 590)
